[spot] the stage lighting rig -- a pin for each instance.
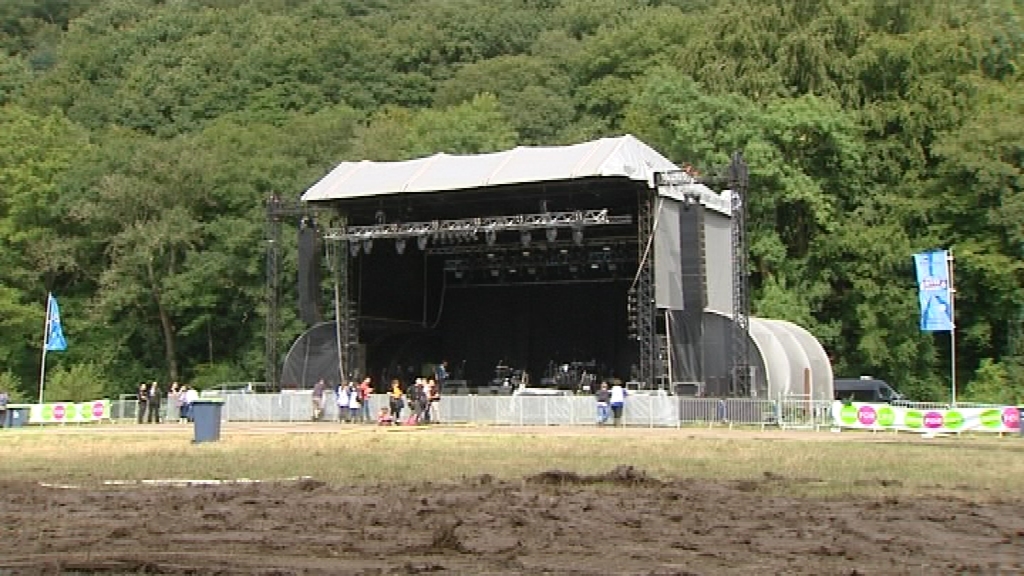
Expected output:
(469, 227)
(681, 185)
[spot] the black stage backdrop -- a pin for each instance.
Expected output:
(409, 321)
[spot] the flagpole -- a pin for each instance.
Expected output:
(46, 334)
(952, 329)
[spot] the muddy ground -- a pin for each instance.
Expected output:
(622, 522)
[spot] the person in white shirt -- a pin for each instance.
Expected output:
(191, 395)
(618, 401)
(353, 402)
(341, 400)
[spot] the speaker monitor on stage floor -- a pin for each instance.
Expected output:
(309, 273)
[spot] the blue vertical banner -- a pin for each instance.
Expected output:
(55, 341)
(934, 291)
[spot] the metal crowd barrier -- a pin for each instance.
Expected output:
(641, 410)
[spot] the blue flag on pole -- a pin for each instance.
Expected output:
(54, 331)
(934, 293)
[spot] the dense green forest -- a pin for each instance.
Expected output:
(139, 140)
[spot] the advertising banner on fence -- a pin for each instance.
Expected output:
(69, 412)
(886, 417)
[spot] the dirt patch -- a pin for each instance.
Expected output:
(620, 476)
(556, 522)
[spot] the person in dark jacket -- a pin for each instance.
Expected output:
(603, 397)
(153, 406)
(142, 398)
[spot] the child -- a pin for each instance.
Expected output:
(384, 417)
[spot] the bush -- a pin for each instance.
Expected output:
(78, 383)
(992, 385)
(10, 383)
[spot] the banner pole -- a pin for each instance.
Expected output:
(952, 329)
(42, 364)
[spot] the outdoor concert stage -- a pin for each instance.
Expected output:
(560, 265)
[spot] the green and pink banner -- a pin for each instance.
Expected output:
(69, 412)
(885, 417)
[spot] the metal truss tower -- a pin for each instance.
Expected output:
(645, 305)
(738, 179)
(347, 313)
(278, 210)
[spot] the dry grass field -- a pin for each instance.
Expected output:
(332, 499)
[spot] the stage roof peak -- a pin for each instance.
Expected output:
(618, 157)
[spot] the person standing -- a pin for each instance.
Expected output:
(353, 402)
(441, 375)
(603, 404)
(142, 403)
(318, 399)
(173, 409)
(433, 391)
(191, 395)
(341, 402)
(415, 410)
(180, 401)
(154, 404)
(396, 401)
(617, 399)
(4, 398)
(365, 391)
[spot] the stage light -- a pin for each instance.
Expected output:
(531, 270)
(458, 274)
(400, 245)
(421, 241)
(353, 247)
(525, 237)
(494, 272)
(368, 245)
(577, 236)
(595, 266)
(552, 234)
(673, 178)
(491, 236)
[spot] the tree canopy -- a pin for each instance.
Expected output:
(139, 139)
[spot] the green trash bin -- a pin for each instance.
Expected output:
(16, 415)
(206, 413)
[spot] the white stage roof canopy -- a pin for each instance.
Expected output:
(622, 157)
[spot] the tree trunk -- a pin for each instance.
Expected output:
(166, 325)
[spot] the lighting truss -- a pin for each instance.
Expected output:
(679, 184)
(469, 227)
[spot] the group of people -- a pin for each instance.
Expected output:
(610, 402)
(420, 402)
(423, 399)
(179, 402)
(352, 400)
